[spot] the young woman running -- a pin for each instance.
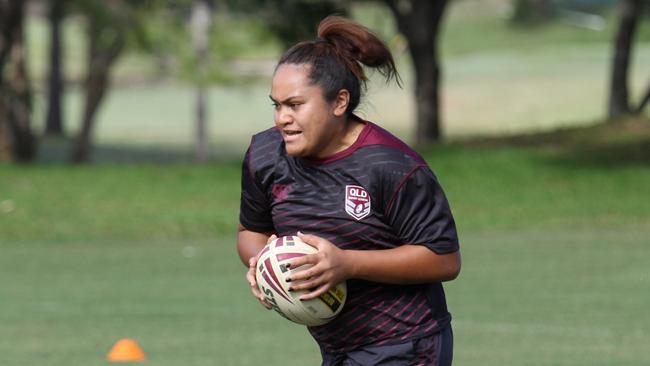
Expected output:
(369, 203)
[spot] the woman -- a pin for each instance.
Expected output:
(364, 199)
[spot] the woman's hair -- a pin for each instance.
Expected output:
(336, 57)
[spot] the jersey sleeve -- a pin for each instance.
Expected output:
(255, 210)
(420, 214)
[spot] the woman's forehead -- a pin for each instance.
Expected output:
(292, 78)
(292, 73)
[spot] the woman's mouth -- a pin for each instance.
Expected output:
(291, 134)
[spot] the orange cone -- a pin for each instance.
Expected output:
(126, 350)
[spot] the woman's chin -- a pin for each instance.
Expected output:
(294, 151)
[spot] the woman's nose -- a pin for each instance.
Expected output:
(283, 116)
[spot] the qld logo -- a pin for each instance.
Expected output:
(357, 202)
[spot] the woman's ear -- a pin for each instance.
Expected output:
(341, 102)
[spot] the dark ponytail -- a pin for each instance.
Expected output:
(337, 55)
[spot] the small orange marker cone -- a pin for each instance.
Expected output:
(126, 350)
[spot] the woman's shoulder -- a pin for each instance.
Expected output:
(264, 150)
(381, 145)
(267, 138)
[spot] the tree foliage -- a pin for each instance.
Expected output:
(296, 20)
(532, 12)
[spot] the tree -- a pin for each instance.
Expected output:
(293, 21)
(644, 101)
(105, 44)
(54, 117)
(619, 99)
(17, 142)
(200, 24)
(109, 26)
(420, 21)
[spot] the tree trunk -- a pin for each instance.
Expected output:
(54, 119)
(16, 95)
(644, 101)
(11, 14)
(5, 134)
(24, 147)
(200, 24)
(105, 47)
(419, 21)
(619, 103)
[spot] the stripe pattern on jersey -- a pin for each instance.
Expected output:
(313, 199)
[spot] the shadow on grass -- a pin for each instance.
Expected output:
(607, 145)
(58, 151)
(617, 144)
(617, 155)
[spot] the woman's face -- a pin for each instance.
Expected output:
(310, 125)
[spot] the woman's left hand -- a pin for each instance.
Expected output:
(330, 266)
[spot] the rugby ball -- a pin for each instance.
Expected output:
(271, 274)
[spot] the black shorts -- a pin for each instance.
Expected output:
(434, 350)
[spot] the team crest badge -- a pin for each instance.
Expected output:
(357, 202)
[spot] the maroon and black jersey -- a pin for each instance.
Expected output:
(376, 194)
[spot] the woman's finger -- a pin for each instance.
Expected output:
(315, 293)
(271, 238)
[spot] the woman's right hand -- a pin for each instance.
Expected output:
(250, 276)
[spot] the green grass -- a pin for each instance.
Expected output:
(510, 189)
(66, 303)
(553, 297)
(59, 203)
(564, 297)
(566, 183)
(553, 237)
(553, 228)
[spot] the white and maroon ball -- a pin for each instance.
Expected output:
(271, 274)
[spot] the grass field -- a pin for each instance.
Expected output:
(554, 227)
(554, 243)
(567, 297)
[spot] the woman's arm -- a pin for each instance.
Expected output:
(407, 264)
(249, 244)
